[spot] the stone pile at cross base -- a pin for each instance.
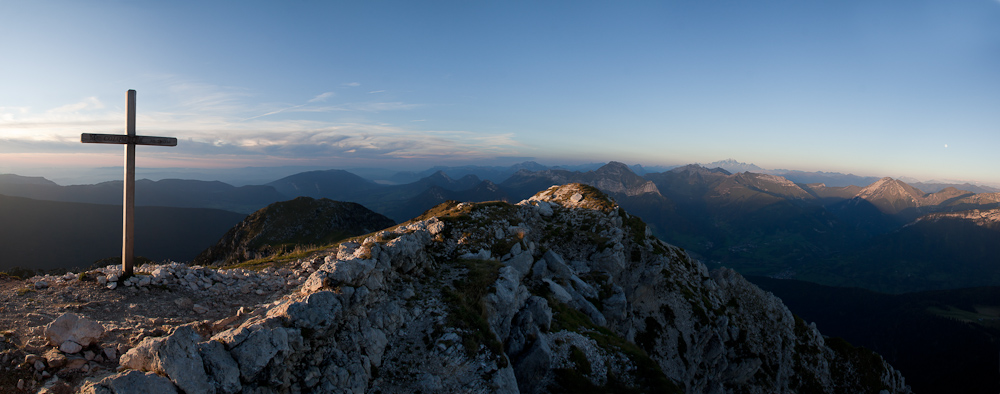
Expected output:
(563, 292)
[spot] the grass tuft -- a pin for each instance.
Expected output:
(465, 299)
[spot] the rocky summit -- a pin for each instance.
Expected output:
(563, 292)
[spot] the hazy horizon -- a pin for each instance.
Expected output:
(897, 88)
(254, 175)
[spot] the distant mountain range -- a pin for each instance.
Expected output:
(166, 192)
(734, 166)
(758, 223)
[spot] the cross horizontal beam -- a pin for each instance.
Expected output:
(125, 139)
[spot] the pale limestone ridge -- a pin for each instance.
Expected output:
(576, 293)
(983, 218)
(981, 199)
(772, 184)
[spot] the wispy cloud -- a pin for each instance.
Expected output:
(88, 103)
(383, 91)
(212, 123)
(368, 107)
(275, 112)
(321, 97)
(353, 84)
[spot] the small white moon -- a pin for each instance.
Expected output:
(945, 145)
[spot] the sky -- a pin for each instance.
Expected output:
(871, 87)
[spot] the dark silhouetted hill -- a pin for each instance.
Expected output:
(282, 226)
(49, 234)
(336, 185)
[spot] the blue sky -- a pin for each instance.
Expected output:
(883, 88)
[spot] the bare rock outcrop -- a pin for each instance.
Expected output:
(563, 292)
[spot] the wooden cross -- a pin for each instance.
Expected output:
(130, 140)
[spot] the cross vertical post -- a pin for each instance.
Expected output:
(130, 140)
(128, 202)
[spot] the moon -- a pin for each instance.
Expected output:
(945, 145)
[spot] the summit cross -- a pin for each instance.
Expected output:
(130, 140)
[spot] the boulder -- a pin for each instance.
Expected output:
(508, 298)
(220, 366)
(259, 347)
(54, 358)
(70, 347)
(544, 208)
(175, 356)
(317, 310)
(70, 327)
(533, 366)
(131, 382)
(350, 272)
(521, 261)
(435, 226)
(555, 263)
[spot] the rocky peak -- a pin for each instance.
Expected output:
(439, 176)
(576, 195)
(617, 177)
(614, 168)
(487, 186)
(894, 196)
(697, 169)
(562, 292)
(889, 187)
(734, 166)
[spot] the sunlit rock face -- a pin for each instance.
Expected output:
(563, 292)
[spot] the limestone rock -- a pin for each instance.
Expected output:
(175, 356)
(220, 366)
(131, 382)
(532, 369)
(70, 327)
(54, 358)
(70, 347)
(260, 346)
